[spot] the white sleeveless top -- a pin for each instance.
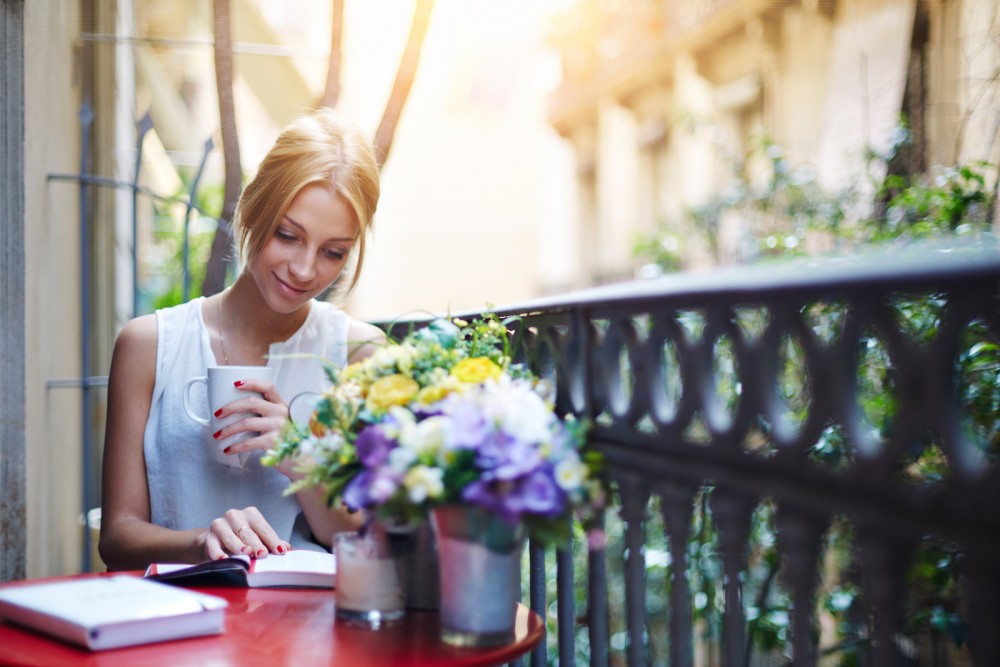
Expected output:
(188, 488)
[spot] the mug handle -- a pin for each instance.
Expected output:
(301, 407)
(187, 401)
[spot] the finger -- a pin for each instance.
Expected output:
(266, 538)
(252, 541)
(225, 533)
(262, 387)
(256, 424)
(253, 404)
(269, 542)
(238, 426)
(213, 549)
(264, 435)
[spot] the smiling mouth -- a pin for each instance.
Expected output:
(289, 288)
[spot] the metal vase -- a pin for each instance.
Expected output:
(479, 559)
(413, 547)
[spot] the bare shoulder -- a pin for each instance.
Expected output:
(364, 338)
(135, 346)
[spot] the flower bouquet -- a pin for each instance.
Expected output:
(442, 424)
(444, 418)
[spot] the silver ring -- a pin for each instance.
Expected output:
(241, 530)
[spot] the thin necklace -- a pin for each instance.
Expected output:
(222, 341)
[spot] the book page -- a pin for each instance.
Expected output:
(296, 561)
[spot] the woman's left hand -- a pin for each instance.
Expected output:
(266, 413)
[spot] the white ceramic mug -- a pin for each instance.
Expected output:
(220, 383)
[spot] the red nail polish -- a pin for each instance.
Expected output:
(239, 383)
(216, 434)
(218, 412)
(226, 450)
(281, 549)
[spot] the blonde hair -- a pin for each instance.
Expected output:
(319, 148)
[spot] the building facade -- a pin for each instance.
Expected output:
(666, 101)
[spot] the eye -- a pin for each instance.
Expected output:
(334, 254)
(284, 234)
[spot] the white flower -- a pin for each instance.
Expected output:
(382, 488)
(522, 413)
(347, 392)
(440, 375)
(404, 420)
(401, 458)
(429, 436)
(570, 473)
(331, 443)
(423, 482)
(391, 358)
(307, 446)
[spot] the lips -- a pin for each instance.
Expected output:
(288, 290)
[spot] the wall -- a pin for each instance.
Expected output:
(12, 341)
(52, 303)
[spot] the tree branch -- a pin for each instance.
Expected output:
(404, 79)
(332, 91)
(221, 253)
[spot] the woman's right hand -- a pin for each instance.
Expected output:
(244, 531)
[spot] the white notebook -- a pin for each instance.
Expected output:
(109, 612)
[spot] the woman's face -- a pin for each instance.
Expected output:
(308, 249)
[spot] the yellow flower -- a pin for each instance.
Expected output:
(441, 385)
(352, 372)
(392, 390)
(432, 394)
(476, 370)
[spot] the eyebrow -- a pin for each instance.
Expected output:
(334, 239)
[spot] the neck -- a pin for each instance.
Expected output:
(250, 320)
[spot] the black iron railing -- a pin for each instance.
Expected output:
(687, 382)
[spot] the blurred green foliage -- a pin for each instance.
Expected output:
(162, 274)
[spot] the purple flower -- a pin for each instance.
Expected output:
(490, 496)
(357, 494)
(537, 493)
(469, 426)
(509, 459)
(373, 447)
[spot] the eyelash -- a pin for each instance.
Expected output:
(335, 255)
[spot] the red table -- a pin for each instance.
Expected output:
(276, 627)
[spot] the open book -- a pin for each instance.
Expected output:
(297, 568)
(108, 612)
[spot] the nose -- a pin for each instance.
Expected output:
(303, 266)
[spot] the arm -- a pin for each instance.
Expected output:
(128, 539)
(363, 340)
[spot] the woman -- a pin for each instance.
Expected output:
(299, 223)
